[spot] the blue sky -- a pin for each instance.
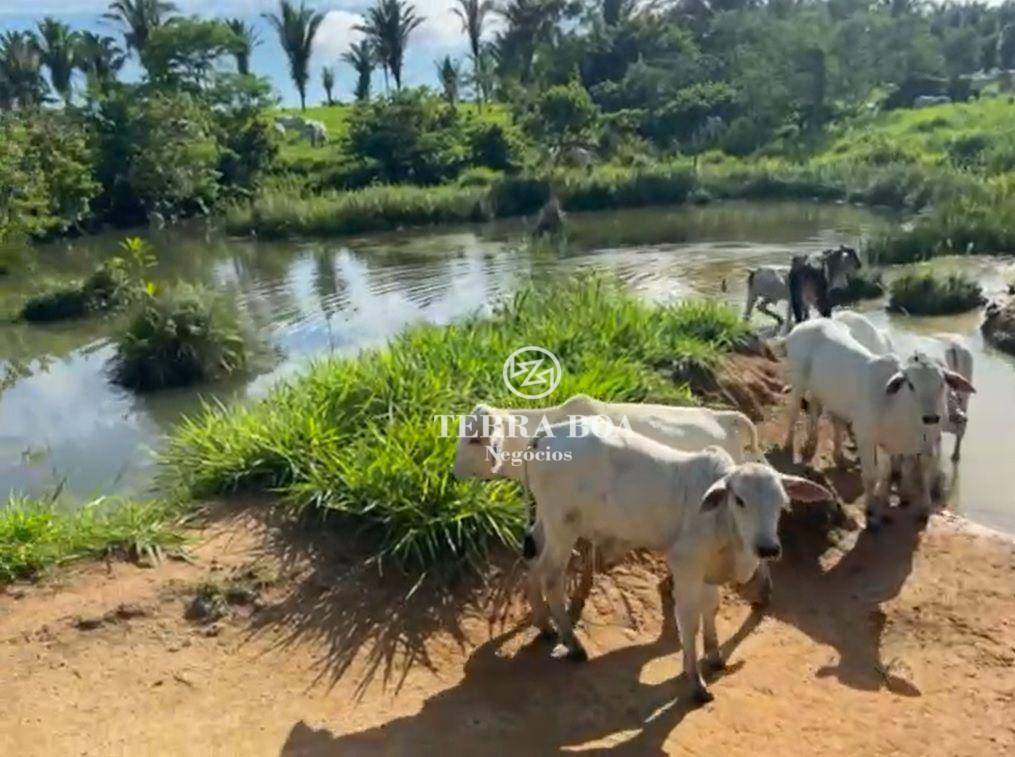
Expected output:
(440, 34)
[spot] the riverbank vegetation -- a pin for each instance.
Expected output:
(761, 101)
(180, 336)
(38, 534)
(924, 291)
(356, 440)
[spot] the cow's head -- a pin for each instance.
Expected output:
(841, 262)
(481, 438)
(755, 494)
(923, 386)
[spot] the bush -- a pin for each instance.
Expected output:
(923, 291)
(48, 158)
(112, 285)
(865, 284)
(494, 145)
(356, 437)
(179, 337)
(411, 137)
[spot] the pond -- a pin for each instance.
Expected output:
(63, 424)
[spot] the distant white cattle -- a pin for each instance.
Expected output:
(927, 101)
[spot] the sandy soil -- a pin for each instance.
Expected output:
(897, 643)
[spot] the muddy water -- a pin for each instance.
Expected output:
(63, 424)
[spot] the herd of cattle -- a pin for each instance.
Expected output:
(693, 484)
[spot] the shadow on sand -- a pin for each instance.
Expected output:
(509, 703)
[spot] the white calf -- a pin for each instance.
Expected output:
(893, 406)
(716, 521)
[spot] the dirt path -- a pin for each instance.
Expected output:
(899, 643)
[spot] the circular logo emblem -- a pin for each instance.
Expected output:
(531, 372)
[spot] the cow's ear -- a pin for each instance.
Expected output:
(805, 490)
(895, 383)
(958, 382)
(715, 495)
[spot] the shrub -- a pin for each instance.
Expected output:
(179, 337)
(112, 285)
(356, 437)
(563, 116)
(494, 145)
(48, 158)
(865, 284)
(923, 291)
(411, 136)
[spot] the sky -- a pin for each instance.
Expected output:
(440, 34)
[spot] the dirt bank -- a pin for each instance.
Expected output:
(901, 642)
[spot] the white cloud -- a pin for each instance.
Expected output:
(335, 35)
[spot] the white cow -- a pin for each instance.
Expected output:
(313, 131)
(494, 438)
(891, 405)
(716, 522)
(945, 349)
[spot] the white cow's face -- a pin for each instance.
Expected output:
(923, 386)
(483, 432)
(756, 494)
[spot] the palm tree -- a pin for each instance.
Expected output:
(138, 18)
(528, 24)
(99, 57)
(296, 29)
(361, 57)
(21, 80)
(388, 26)
(56, 48)
(450, 73)
(328, 82)
(472, 14)
(248, 40)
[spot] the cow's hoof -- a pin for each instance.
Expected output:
(716, 664)
(547, 634)
(577, 654)
(701, 695)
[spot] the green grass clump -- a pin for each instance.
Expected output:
(356, 437)
(35, 535)
(277, 215)
(923, 291)
(865, 284)
(182, 336)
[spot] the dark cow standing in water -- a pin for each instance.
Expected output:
(816, 275)
(811, 277)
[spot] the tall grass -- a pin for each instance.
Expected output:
(35, 534)
(923, 291)
(281, 214)
(356, 438)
